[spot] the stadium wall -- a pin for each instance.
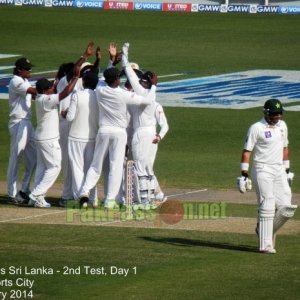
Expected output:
(194, 6)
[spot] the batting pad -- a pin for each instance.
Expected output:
(282, 215)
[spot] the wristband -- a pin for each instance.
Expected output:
(286, 164)
(244, 166)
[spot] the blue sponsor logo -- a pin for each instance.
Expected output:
(29, 2)
(147, 6)
(267, 9)
(208, 8)
(7, 2)
(237, 90)
(238, 8)
(88, 4)
(62, 3)
(289, 9)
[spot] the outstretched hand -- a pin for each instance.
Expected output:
(153, 78)
(112, 49)
(89, 49)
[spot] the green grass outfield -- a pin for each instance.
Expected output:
(201, 150)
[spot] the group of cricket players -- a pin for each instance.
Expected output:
(86, 126)
(90, 126)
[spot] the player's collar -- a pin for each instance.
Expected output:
(264, 121)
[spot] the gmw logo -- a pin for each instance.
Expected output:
(7, 2)
(31, 2)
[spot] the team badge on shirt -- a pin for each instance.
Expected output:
(268, 134)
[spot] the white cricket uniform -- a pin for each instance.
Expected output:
(47, 143)
(162, 122)
(64, 129)
(21, 135)
(144, 125)
(83, 113)
(111, 137)
(268, 173)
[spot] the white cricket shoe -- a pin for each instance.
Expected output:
(268, 250)
(110, 204)
(161, 197)
(38, 201)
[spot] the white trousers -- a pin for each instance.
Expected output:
(22, 145)
(81, 156)
(48, 166)
(109, 141)
(142, 149)
(273, 191)
(64, 129)
(271, 183)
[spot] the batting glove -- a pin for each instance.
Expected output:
(244, 184)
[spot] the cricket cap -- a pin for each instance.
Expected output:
(43, 84)
(23, 63)
(111, 74)
(273, 106)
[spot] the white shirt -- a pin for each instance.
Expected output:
(65, 103)
(19, 100)
(84, 114)
(142, 116)
(113, 104)
(161, 120)
(267, 142)
(47, 117)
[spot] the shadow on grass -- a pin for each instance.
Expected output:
(197, 243)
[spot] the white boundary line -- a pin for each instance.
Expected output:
(31, 217)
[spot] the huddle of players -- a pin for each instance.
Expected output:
(84, 131)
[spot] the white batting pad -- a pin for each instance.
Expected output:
(266, 216)
(282, 215)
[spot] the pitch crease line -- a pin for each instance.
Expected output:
(31, 217)
(186, 193)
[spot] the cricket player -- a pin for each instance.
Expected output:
(162, 123)
(21, 132)
(47, 133)
(144, 125)
(83, 113)
(111, 138)
(64, 125)
(268, 141)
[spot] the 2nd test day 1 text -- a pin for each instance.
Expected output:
(66, 270)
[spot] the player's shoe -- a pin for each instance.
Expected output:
(110, 204)
(12, 200)
(83, 201)
(160, 197)
(38, 201)
(62, 202)
(268, 250)
(22, 198)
